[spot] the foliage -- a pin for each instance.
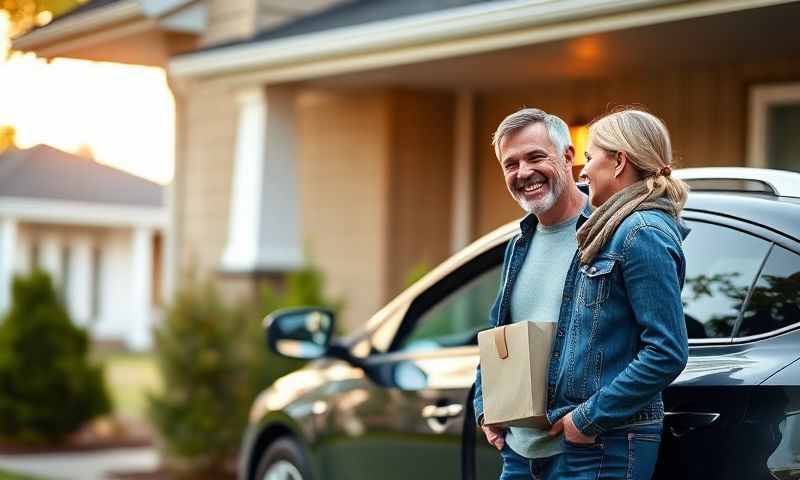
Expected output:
(416, 273)
(214, 360)
(48, 388)
(202, 409)
(7, 137)
(27, 14)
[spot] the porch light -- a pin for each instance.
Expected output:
(579, 131)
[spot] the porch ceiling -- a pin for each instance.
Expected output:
(740, 37)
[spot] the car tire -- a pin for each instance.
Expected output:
(283, 460)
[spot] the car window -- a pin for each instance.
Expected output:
(775, 299)
(454, 320)
(721, 264)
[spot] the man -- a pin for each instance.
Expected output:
(535, 154)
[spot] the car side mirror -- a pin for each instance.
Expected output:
(301, 333)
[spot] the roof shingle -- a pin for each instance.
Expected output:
(44, 172)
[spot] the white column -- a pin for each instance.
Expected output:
(139, 335)
(50, 258)
(23, 254)
(463, 171)
(8, 244)
(263, 230)
(79, 283)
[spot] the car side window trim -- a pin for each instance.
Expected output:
(749, 295)
(447, 285)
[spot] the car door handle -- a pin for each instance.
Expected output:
(442, 412)
(681, 423)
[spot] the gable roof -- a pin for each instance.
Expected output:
(348, 14)
(46, 173)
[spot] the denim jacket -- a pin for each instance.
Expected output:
(621, 334)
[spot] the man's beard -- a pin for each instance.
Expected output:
(555, 188)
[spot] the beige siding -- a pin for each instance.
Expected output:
(205, 164)
(420, 182)
(230, 20)
(343, 162)
(705, 110)
(238, 19)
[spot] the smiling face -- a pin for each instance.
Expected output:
(535, 172)
(600, 174)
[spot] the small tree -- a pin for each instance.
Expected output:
(202, 411)
(214, 360)
(48, 388)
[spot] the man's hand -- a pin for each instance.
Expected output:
(494, 435)
(571, 432)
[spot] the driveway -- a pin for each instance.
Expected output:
(94, 465)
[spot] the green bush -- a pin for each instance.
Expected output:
(201, 410)
(48, 388)
(214, 360)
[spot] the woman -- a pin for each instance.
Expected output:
(625, 339)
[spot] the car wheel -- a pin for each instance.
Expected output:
(283, 460)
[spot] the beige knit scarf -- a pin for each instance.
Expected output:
(645, 194)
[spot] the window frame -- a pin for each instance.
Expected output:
(762, 97)
(772, 333)
(749, 228)
(444, 287)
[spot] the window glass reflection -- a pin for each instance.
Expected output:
(720, 266)
(454, 321)
(775, 301)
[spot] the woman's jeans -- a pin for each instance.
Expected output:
(626, 453)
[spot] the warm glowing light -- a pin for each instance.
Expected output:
(580, 138)
(43, 18)
(124, 114)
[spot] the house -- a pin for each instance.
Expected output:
(96, 230)
(360, 130)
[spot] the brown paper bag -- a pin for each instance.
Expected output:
(514, 364)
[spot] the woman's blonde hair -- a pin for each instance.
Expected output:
(645, 140)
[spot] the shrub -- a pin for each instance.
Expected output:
(48, 388)
(214, 360)
(202, 408)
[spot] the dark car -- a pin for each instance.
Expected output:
(390, 401)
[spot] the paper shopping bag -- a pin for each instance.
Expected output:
(514, 363)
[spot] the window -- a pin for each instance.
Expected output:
(774, 123)
(721, 264)
(455, 320)
(775, 299)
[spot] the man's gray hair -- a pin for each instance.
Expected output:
(557, 129)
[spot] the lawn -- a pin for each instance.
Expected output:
(4, 475)
(130, 376)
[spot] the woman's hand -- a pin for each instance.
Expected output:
(571, 432)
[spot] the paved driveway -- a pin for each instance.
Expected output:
(82, 465)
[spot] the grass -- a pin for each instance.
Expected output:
(6, 475)
(130, 376)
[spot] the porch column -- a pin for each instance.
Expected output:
(138, 335)
(263, 228)
(463, 171)
(79, 283)
(50, 258)
(8, 243)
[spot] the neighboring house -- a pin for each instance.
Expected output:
(363, 127)
(96, 230)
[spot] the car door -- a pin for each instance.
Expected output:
(407, 419)
(709, 429)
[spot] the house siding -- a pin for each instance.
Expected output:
(705, 110)
(343, 166)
